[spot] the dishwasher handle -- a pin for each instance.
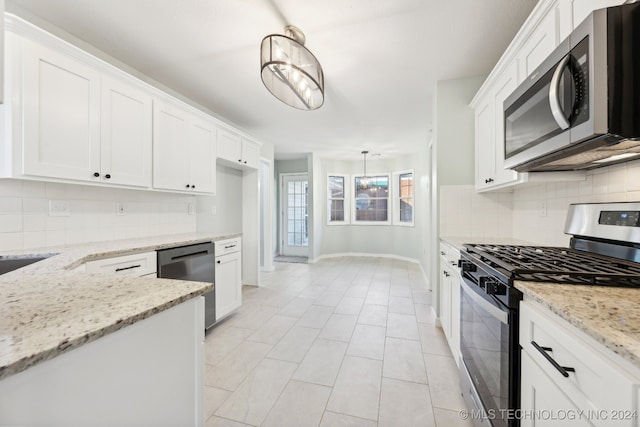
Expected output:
(193, 254)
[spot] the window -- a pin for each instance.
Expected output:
(371, 199)
(337, 203)
(404, 200)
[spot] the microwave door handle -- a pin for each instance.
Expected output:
(554, 94)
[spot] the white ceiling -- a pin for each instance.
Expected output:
(381, 59)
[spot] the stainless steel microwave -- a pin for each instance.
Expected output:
(580, 109)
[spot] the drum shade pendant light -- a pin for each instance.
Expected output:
(364, 181)
(290, 71)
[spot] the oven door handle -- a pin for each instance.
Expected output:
(501, 315)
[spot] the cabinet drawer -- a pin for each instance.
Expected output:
(227, 246)
(127, 265)
(597, 383)
(449, 254)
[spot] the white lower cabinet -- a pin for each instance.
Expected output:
(450, 297)
(228, 276)
(150, 373)
(142, 264)
(569, 378)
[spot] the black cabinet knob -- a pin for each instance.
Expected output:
(193, 186)
(218, 262)
(107, 176)
(239, 160)
(245, 162)
(96, 174)
(188, 185)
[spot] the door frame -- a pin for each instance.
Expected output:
(283, 194)
(267, 225)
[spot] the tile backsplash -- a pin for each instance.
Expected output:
(25, 221)
(533, 213)
(463, 212)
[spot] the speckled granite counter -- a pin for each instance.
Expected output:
(609, 315)
(45, 309)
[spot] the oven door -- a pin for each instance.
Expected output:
(490, 354)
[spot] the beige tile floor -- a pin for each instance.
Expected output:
(343, 342)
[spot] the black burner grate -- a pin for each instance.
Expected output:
(562, 265)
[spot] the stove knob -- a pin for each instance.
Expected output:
(467, 266)
(494, 287)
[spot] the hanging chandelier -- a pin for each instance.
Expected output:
(290, 71)
(364, 181)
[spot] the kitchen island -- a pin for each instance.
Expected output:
(93, 349)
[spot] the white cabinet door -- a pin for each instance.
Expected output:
(228, 283)
(202, 156)
(229, 146)
(485, 141)
(126, 134)
(250, 154)
(170, 149)
(61, 115)
(582, 8)
(542, 41)
(539, 395)
(508, 83)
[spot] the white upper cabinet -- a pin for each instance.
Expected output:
(542, 41)
(202, 156)
(126, 134)
(490, 171)
(71, 117)
(61, 115)
(184, 151)
(237, 152)
(582, 8)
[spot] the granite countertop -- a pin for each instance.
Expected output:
(46, 309)
(608, 314)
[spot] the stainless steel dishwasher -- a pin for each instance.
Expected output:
(195, 263)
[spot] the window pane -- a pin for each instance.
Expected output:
(406, 185)
(336, 187)
(337, 210)
(372, 210)
(406, 210)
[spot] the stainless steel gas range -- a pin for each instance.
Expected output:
(604, 251)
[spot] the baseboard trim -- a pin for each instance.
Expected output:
(365, 254)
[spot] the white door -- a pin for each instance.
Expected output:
(61, 115)
(295, 205)
(170, 149)
(202, 157)
(126, 134)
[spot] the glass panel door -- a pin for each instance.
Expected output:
(295, 235)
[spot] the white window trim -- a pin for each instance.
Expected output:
(389, 201)
(347, 199)
(396, 199)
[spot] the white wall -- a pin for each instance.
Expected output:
(25, 223)
(406, 242)
(227, 203)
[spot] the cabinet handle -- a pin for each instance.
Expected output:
(564, 370)
(96, 174)
(193, 186)
(453, 263)
(187, 185)
(245, 162)
(488, 180)
(230, 246)
(128, 268)
(107, 176)
(218, 262)
(446, 274)
(239, 160)
(441, 253)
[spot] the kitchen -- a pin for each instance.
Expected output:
(533, 212)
